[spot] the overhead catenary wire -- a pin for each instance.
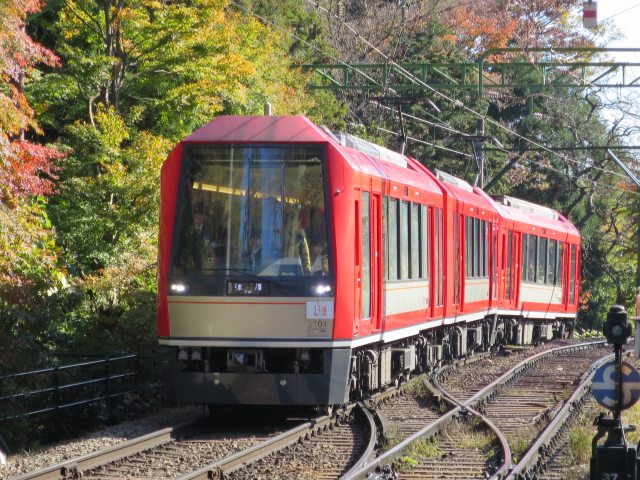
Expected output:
(319, 50)
(417, 81)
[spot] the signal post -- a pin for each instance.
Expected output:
(616, 386)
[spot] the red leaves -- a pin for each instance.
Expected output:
(25, 168)
(29, 170)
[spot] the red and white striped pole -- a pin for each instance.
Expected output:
(590, 14)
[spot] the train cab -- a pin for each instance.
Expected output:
(247, 264)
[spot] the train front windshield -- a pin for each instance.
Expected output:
(255, 210)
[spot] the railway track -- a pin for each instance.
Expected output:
(341, 446)
(190, 451)
(434, 451)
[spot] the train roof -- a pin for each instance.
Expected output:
(535, 218)
(258, 129)
(472, 200)
(361, 155)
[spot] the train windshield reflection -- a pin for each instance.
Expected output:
(260, 210)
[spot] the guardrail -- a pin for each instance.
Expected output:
(47, 390)
(56, 399)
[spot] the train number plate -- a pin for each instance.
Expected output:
(319, 328)
(320, 310)
(247, 288)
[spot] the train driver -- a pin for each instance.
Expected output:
(253, 254)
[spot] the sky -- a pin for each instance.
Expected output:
(626, 16)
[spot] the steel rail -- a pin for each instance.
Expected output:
(369, 451)
(504, 443)
(238, 460)
(481, 396)
(534, 459)
(71, 468)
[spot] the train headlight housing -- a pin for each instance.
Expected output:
(322, 289)
(179, 288)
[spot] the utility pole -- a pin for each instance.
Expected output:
(478, 150)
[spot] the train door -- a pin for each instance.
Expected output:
(368, 265)
(376, 262)
(515, 269)
(437, 265)
(571, 276)
(508, 269)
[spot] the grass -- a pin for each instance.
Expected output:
(519, 445)
(417, 387)
(478, 439)
(391, 439)
(428, 448)
(579, 441)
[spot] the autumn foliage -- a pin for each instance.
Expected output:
(25, 167)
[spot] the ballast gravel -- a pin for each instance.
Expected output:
(24, 462)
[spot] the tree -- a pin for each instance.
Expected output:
(28, 254)
(138, 76)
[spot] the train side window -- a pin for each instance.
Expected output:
(415, 241)
(441, 264)
(474, 250)
(393, 239)
(478, 248)
(468, 255)
(424, 240)
(559, 264)
(481, 247)
(507, 294)
(439, 288)
(404, 240)
(366, 257)
(551, 262)
(531, 258)
(525, 256)
(385, 239)
(572, 276)
(542, 260)
(494, 260)
(485, 249)
(456, 258)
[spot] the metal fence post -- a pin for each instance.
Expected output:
(56, 388)
(108, 385)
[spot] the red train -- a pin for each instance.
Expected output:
(302, 267)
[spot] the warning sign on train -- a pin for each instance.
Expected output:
(605, 386)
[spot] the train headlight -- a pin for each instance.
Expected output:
(321, 289)
(179, 288)
(183, 355)
(196, 356)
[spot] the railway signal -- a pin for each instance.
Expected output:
(617, 329)
(616, 387)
